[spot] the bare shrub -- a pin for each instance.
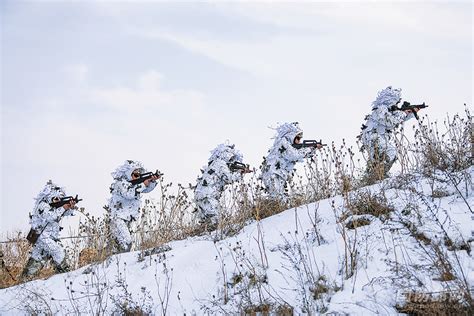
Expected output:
(367, 203)
(266, 207)
(268, 309)
(127, 303)
(94, 244)
(13, 256)
(448, 151)
(332, 171)
(313, 286)
(164, 219)
(88, 256)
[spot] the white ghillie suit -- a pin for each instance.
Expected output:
(124, 205)
(376, 135)
(277, 168)
(45, 221)
(211, 184)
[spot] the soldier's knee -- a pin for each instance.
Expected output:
(58, 254)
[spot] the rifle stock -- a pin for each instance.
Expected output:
(311, 143)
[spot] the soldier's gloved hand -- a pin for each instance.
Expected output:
(247, 170)
(152, 179)
(70, 205)
(409, 111)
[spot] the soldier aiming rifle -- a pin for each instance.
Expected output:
(224, 167)
(131, 180)
(287, 150)
(146, 176)
(65, 200)
(378, 129)
(51, 206)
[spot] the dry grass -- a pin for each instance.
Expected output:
(267, 207)
(267, 310)
(439, 304)
(367, 203)
(354, 223)
(320, 288)
(9, 275)
(448, 151)
(88, 256)
(416, 233)
(440, 193)
(14, 253)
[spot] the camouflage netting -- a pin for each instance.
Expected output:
(215, 176)
(377, 137)
(45, 221)
(279, 164)
(124, 205)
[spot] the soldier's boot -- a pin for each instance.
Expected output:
(31, 268)
(62, 267)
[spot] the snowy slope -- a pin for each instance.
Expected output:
(305, 258)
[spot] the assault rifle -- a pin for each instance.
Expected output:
(237, 166)
(309, 143)
(145, 176)
(65, 200)
(407, 106)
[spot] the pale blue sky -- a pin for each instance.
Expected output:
(85, 86)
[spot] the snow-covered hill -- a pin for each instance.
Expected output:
(407, 239)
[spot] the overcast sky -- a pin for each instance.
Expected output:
(85, 86)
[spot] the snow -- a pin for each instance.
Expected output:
(283, 259)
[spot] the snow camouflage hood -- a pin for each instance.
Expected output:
(125, 171)
(387, 97)
(49, 192)
(288, 131)
(226, 152)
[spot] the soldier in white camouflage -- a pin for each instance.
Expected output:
(45, 228)
(278, 166)
(218, 173)
(124, 205)
(377, 132)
